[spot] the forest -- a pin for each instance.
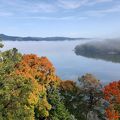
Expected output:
(31, 90)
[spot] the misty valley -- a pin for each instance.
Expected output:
(70, 66)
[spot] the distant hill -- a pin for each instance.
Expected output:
(16, 38)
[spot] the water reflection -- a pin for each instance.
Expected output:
(112, 58)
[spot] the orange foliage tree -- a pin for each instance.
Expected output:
(112, 95)
(39, 68)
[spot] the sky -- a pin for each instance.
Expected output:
(70, 18)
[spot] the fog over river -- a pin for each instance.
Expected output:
(68, 65)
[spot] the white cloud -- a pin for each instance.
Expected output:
(74, 4)
(93, 2)
(71, 4)
(27, 6)
(103, 12)
(38, 7)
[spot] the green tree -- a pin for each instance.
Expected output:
(18, 95)
(58, 111)
(73, 99)
(14, 98)
(1, 46)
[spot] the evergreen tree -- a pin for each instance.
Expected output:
(58, 111)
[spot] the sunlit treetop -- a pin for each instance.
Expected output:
(39, 68)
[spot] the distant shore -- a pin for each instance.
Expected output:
(16, 38)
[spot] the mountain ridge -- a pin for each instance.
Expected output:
(17, 38)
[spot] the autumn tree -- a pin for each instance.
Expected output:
(83, 98)
(112, 95)
(38, 69)
(23, 81)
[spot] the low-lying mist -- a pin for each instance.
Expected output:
(106, 49)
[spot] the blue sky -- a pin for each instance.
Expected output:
(72, 18)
